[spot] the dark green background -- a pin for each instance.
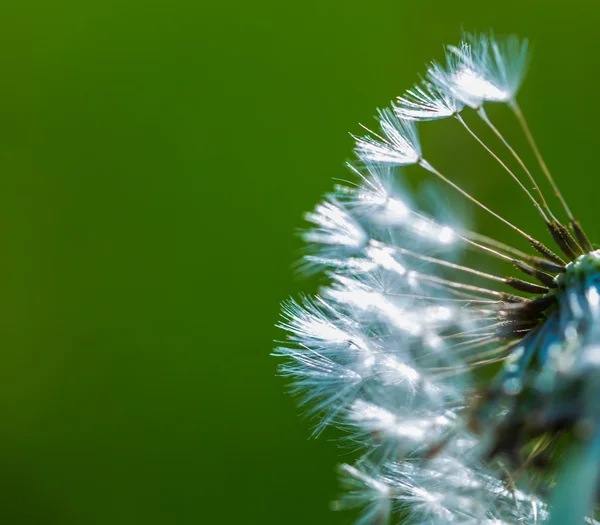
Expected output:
(156, 158)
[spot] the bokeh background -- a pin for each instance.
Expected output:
(156, 158)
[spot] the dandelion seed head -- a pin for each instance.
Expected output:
(389, 349)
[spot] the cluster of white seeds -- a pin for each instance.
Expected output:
(387, 350)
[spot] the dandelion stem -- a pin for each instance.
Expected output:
(517, 180)
(474, 236)
(576, 227)
(449, 264)
(470, 238)
(481, 112)
(455, 284)
(523, 122)
(448, 299)
(424, 164)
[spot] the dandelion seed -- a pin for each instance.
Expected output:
(387, 350)
(336, 233)
(482, 69)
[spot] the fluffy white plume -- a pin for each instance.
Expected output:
(481, 69)
(428, 102)
(398, 146)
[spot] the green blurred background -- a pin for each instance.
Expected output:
(156, 159)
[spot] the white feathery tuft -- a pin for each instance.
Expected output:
(399, 145)
(481, 69)
(336, 233)
(428, 102)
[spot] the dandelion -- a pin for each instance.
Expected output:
(390, 349)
